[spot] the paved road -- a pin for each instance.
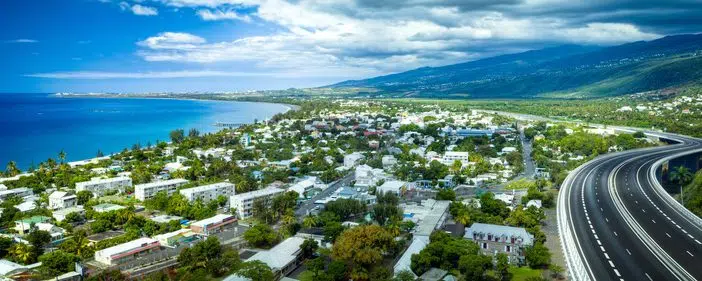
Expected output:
(529, 168)
(617, 223)
(307, 206)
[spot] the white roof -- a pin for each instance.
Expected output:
(161, 183)
(68, 210)
(121, 248)
(59, 195)
(257, 193)
(217, 218)
(95, 181)
(280, 255)
(394, 186)
(499, 230)
(404, 263)
(10, 268)
(456, 153)
(207, 187)
(434, 212)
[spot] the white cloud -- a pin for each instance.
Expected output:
(22, 40)
(209, 3)
(144, 10)
(99, 75)
(209, 15)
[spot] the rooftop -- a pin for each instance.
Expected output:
(162, 183)
(499, 230)
(280, 255)
(217, 218)
(258, 193)
(207, 187)
(125, 247)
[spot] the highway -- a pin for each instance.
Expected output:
(617, 223)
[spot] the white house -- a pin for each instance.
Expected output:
(366, 176)
(148, 190)
(102, 186)
(392, 186)
(351, 160)
(451, 156)
(62, 200)
(243, 202)
(19, 192)
(209, 192)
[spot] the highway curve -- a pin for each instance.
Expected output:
(617, 223)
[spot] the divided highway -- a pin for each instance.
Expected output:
(617, 223)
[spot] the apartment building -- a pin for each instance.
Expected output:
(209, 192)
(100, 187)
(131, 250)
(494, 239)
(243, 203)
(147, 191)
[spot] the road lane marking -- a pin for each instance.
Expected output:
(649, 277)
(627, 251)
(688, 252)
(667, 234)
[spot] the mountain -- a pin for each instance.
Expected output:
(569, 71)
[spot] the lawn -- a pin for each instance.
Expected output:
(305, 276)
(524, 272)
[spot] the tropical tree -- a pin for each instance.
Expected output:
(310, 221)
(11, 169)
(62, 156)
(22, 253)
(681, 175)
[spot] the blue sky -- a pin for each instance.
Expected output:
(233, 45)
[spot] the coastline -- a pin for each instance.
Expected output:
(171, 97)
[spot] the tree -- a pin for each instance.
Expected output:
(39, 239)
(177, 136)
(537, 256)
(84, 196)
(446, 194)
(556, 271)
(5, 244)
(310, 221)
(473, 267)
(404, 275)
(315, 265)
(57, 262)
(681, 175)
(62, 156)
(362, 248)
(308, 248)
(193, 133)
(22, 253)
(11, 169)
(502, 266)
(261, 236)
(256, 271)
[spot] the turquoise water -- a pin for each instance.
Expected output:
(34, 127)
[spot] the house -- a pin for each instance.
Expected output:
(24, 226)
(216, 224)
(351, 160)
(283, 258)
(62, 200)
(131, 250)
(147, 191)
(404, 263)
(166, 218)
(243, 202)
(18, 192)
(13, 271)
(451, 156)
(209, 192)
(101, 187)
(366, 176)
(534, 202)
(55, 232)
(493, 239)
(389, 161)
(61, 214)
(394, 186)
(302, 186)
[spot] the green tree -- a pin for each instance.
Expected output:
(261, 236)
(256, 271)
(537, 256)
(404, 275)
(362, 248)
(446, 194)
(177, 136)
(502, 266)
(11, 169)
(308, 248)
(57, 262)
(84, 196)
(681, 175)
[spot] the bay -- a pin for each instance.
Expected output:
(34, 127)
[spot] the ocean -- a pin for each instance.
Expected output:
(34, 127)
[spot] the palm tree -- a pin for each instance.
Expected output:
(681, 175)
(463, 219)
(11, 169)
(62, 156)
(310, 221)
(21, 252)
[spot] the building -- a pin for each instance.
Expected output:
(535, 203)
(366, 176)
(451, 156)
(213, 225)
(100, 187)
(243, 203)
(121, 253)
(245, 140)
(303, 185)
(55, 232)
(351, 160)
(61, 214)
(147, 191)
(62, 200)
(494, 239)
(13, 271)
(404, 263)
(107, 207)
(283, 258)
(24, 226)
(176, 238)
(428, 216)
(18, 192)
(396, 187)
(166, 218)
(389, 161)
(209, 192)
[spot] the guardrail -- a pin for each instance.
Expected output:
(577, 270)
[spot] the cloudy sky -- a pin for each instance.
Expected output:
(223, 45)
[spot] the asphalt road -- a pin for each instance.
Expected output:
(617, 223)
(307, 206)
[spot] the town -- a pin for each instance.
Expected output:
(336, 189)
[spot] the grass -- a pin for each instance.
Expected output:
(306, 276)
(524, 272)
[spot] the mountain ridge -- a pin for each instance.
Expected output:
(563, 71)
